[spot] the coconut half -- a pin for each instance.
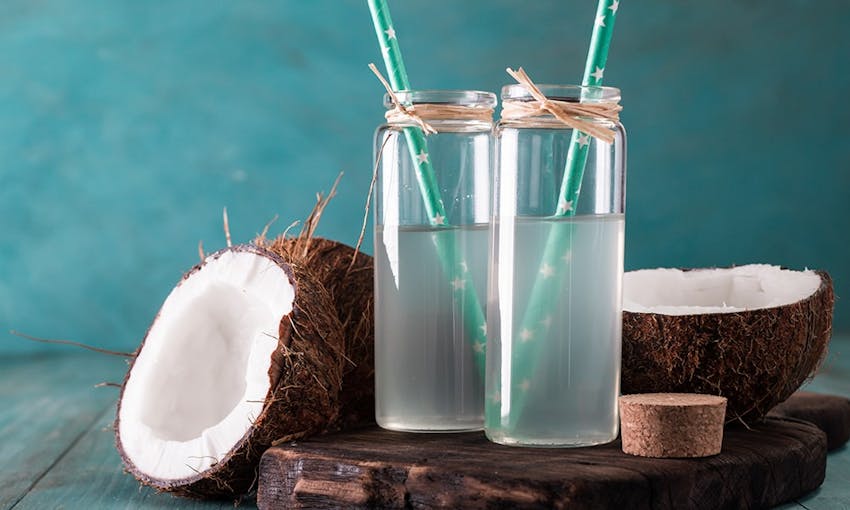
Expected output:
(245, 350)
(752, 334)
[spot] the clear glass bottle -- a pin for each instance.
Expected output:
(431, 269)
(554, 303)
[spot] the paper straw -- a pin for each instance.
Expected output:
(397, 74)
(594, 68)
(453, 266)
(557, 253)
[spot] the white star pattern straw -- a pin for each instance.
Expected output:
(594, 72)
(445, 245)
(479, 347)
(526, 356)
(458, 283)
(526, 335)
(597, 74)
(547, 271)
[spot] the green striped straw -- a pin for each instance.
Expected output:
(453, 266)
(557, 253)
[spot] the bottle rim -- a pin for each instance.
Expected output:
(568, 93)
(470, 98)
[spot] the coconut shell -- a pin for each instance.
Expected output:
(305, 377)
(351, 287)
(755, 359)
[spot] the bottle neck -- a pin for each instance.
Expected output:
(441, 110)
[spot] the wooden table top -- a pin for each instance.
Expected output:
(57, 446)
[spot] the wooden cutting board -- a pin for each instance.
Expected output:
(830, 413)
(774, 461)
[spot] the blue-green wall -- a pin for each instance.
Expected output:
(126, 126)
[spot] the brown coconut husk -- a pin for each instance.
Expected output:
(305, 378)
(755, 359)
(347, 274)
(350, 286)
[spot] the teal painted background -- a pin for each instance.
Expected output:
(125, 127)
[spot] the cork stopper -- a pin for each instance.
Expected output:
(672, 424)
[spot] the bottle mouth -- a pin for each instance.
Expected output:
(470, 98)
(568, 93)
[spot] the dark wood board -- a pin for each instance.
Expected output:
(780, 459)
(831, 413)
(776, 461)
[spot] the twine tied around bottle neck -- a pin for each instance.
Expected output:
(420, 114)
(578, 116)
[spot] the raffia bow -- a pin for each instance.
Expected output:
(417, 114)
(574, 115)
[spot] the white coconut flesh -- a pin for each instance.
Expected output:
(202, 376)
(723, 290)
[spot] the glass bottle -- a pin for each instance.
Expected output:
(431, 264)
(554, 304)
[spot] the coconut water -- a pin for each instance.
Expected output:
(425, 373)
(554, 357)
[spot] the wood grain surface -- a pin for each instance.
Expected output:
(58, 452)
(777, 460)
(831, 413)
